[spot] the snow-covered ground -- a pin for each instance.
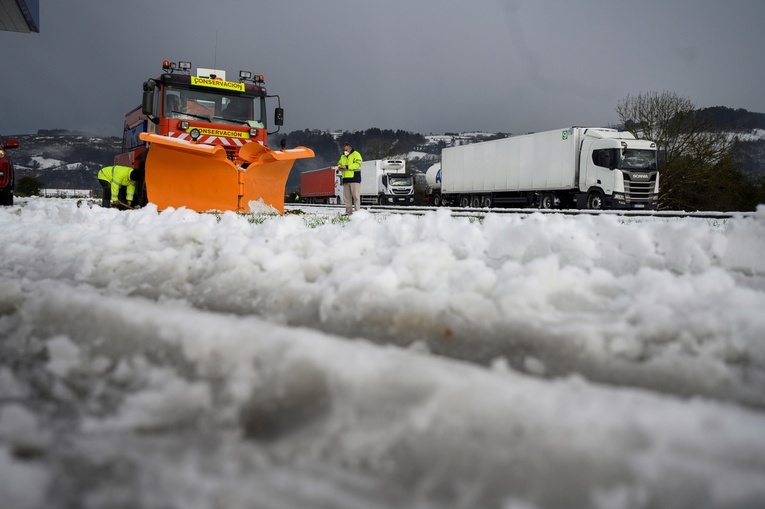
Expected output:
(184, 360)
(753, 135)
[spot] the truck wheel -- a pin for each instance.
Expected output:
(436, 200)
(486, 201)
(546, 201)
(595, 200)
(475, 201)
(464, 200)
(6, 196)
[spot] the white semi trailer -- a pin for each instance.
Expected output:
(576, 167)
(385, 182)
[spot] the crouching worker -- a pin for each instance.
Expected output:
(118, 183)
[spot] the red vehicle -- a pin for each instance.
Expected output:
(321, 186)
(207, 141)
(7, 175)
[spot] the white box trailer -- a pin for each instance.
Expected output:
(573, 167)
(385, 182)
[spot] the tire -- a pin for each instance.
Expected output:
(6, 196)
(595, 200)
(437, 202)
(546, 201)
(464, 201)
(486, 201)
(475, 201)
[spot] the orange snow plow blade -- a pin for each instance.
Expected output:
(181, 173)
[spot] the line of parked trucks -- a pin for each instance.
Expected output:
(575, 167)
(383, 182)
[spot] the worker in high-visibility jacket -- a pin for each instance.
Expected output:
(113, 179)
(350, 170)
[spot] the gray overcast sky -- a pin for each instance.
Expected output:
(428, 66)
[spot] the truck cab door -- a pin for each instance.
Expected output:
(598, 161)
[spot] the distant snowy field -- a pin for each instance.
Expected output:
(184, 360)
(753, 135)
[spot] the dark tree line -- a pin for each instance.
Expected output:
(372, 143)
(730, 119)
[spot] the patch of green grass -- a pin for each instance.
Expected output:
(311, 220)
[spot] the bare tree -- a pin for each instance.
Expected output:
(695, 157)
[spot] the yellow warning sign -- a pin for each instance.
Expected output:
(225, 133)
(216, 83)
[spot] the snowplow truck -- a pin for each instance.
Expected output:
(207, 142)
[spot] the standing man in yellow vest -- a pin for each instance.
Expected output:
(350, 168)
(113, 179)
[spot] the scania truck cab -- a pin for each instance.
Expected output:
(617, 171)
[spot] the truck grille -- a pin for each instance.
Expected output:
(400, 191)
(639, 191)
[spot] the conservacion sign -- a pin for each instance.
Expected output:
(225, 85)
(225, 133)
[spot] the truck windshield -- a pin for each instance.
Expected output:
(639, 160)
(221, 108)
(400, 180)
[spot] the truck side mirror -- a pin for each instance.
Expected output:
(147, 105)
(279, 116)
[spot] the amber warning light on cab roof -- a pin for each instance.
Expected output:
(167, 65)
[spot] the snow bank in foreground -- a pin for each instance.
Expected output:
(184, 360)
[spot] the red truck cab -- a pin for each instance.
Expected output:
(6, 170)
